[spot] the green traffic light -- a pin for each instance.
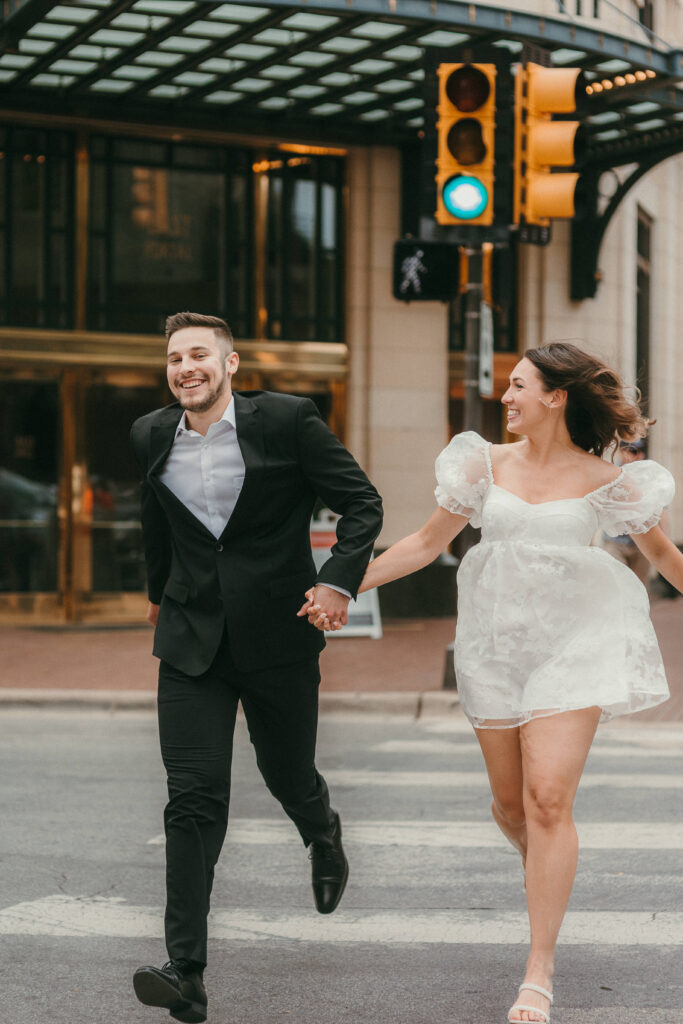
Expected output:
(464, 197)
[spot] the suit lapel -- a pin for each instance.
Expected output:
(249, 423)
(162, 436)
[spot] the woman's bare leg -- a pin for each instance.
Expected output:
(503, 757)
(554, 752)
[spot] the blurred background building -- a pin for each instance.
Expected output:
(258, 161)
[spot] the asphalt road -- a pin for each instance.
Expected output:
(432, 928)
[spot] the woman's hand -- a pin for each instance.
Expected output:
(316, 616)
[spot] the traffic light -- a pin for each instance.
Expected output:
(542, 145)
(466, 142)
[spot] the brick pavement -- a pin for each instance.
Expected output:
(408, 658)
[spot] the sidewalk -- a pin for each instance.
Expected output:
(399, 672)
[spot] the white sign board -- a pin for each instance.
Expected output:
(363, 614)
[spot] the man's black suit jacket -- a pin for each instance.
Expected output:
(252, 578)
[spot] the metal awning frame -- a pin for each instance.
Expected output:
(363, 93)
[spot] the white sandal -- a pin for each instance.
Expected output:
(545, 1017)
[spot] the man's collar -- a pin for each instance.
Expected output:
(227, 417)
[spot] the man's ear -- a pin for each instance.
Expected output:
(232, 361)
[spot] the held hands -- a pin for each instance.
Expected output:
(326, 608)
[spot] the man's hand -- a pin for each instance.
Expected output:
(152, 613)
(326, 608)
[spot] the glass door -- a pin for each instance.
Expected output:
(108, 563)
(29, 475)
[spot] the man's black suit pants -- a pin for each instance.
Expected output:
(196, 726)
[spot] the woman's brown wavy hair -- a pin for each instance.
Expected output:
(598, 413)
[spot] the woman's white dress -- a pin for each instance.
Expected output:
(546, 622)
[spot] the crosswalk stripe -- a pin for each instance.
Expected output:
(614, 835)
(591, 779)
(89, 917)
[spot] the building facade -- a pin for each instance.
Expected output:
(110, 219)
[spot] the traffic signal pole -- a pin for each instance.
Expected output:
(471, 287)
(475, 288)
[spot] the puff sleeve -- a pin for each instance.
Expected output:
(634, 502)
(463, 476)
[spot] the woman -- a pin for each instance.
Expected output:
(553, 635)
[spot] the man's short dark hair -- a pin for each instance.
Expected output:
(221, 331)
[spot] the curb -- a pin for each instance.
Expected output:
(414, 704)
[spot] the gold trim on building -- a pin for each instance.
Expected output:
(326, 361)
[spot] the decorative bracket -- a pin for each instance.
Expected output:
(588, 230)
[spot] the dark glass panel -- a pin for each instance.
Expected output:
(98, 203)
(302, 330)
(140, 152)
(329, 251)
(29, 141)
(3, 185)
(238, 253)
(59, 283)
(113, 485)
(196, 156)
(58, 187)
(304, 264)
(28, 252)
(275, 256)
(98, 148)
(167, 248)
(301, 292)
(97, 272)
(28, 486)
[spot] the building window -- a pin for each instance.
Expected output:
(643, 292)
(36, 234)
(646, 14)
(170, 230)
(304, 276)
(504, 289)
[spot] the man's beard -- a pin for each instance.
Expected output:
(209, 399)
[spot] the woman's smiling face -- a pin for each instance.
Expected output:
(526, 400)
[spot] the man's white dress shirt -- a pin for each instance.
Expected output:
(207, 473)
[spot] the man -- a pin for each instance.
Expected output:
(229, 484)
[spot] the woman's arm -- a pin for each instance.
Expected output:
(663, 554)
(402, 558)
(415, 551)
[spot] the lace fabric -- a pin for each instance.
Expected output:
(547, 623)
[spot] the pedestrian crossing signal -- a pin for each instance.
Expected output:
(465, 144)
(425, 271)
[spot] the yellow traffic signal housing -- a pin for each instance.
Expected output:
(466, 142)
(542, 145)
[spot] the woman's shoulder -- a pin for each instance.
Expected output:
(599, 472)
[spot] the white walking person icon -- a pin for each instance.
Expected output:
(411, 268)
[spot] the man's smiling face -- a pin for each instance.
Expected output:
(199, 369)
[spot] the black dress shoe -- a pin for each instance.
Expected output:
(329, 871)
(177, 986)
